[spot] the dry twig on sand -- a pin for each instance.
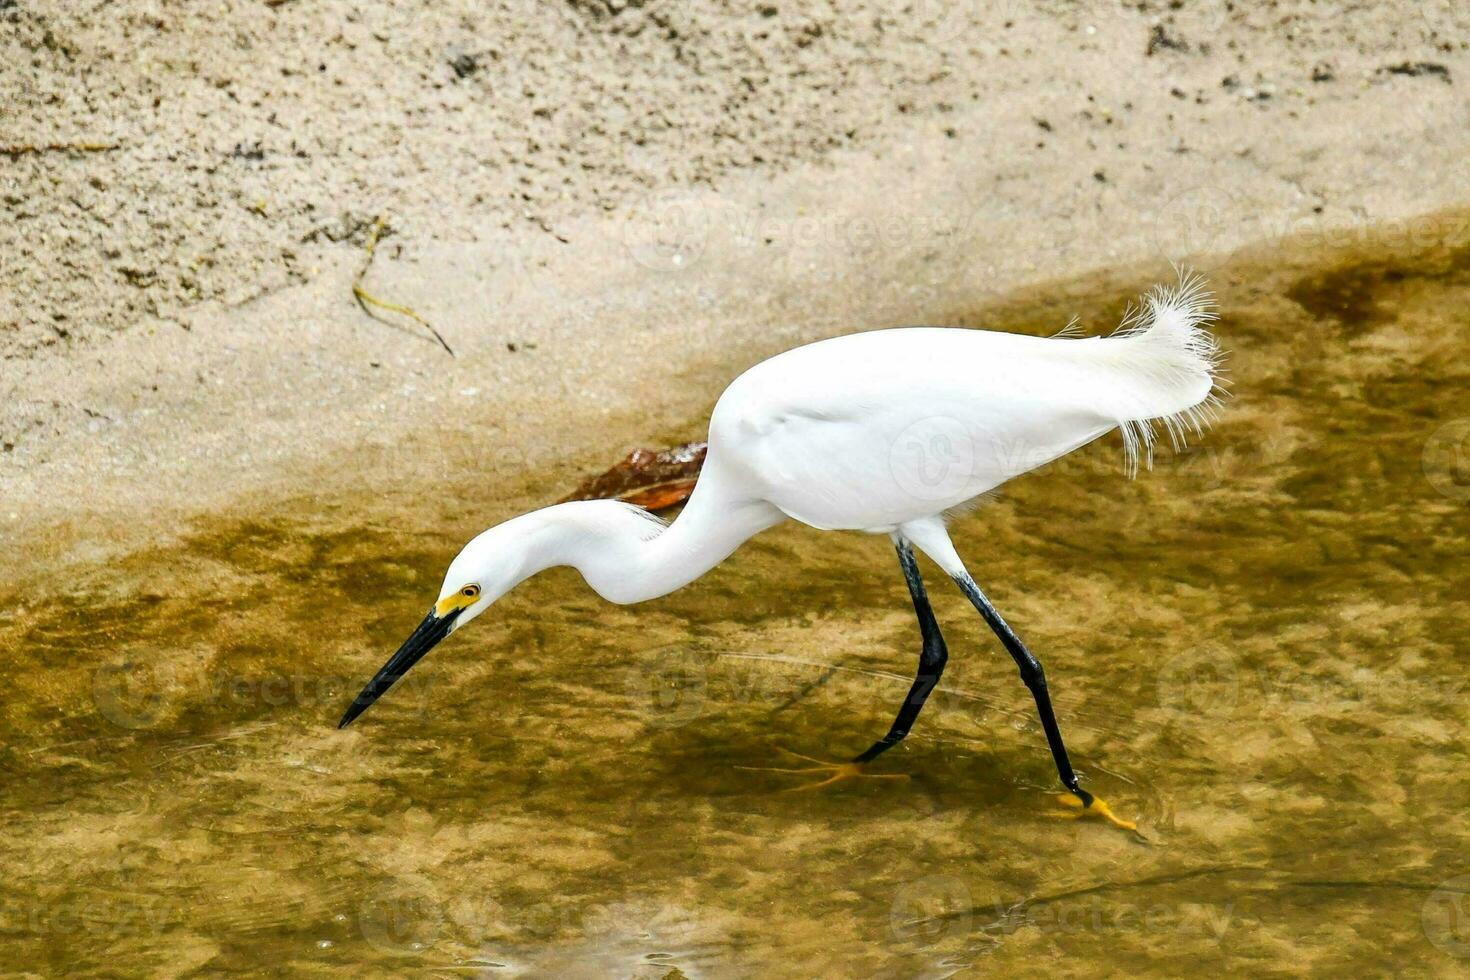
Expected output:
(367, 300)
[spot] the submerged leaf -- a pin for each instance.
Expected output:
(652, 479)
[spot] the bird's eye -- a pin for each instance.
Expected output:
(470, 591)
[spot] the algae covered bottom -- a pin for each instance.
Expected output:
(1259, 651)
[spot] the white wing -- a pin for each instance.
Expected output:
(871, 430)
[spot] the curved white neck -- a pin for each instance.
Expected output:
(628, 556)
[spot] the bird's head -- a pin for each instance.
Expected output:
(597, 537)
(487, 568)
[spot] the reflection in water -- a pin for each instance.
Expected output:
(1258, 650)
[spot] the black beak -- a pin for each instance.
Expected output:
(430, 632)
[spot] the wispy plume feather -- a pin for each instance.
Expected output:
(1169, 351)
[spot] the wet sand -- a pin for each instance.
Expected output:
(1258, 650)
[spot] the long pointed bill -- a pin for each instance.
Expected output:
(433, 629)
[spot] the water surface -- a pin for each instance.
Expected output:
(1258, 650)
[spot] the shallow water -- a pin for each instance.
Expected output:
(1258, 650)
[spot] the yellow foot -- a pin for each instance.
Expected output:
(1098, 810)
(835, 772)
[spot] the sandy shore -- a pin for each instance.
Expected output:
(606, 239)
(226, 492)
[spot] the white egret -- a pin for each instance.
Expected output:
(889, 432)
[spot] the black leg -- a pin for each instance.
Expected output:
(1035, 679)
(931, 659)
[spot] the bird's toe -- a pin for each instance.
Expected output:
(835, 772)
(1097, 809)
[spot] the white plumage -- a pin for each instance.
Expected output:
(872, 430)
(889, 431)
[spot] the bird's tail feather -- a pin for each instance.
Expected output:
(1172, 367)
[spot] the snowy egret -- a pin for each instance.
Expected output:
(889, 432)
